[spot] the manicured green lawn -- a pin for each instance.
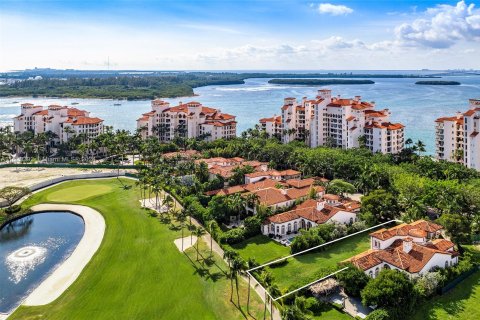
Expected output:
(261, 248)
(137, 273)
(302, 269)
(461, 303)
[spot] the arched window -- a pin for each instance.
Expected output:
(289, 228)
(309, 225)
(295, 226)
(351, 220)
(376, 271)
(370, 274)
(386, 266)
(446, 264)
(278, 229)
(283, 229)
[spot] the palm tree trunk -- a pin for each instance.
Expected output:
(231, 287)
(182, 237)
(265, 307)
(236, 286)
(248, 294)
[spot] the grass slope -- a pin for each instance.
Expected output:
(261, 248)
(137, 273)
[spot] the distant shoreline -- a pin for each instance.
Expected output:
(319, 82)
(438, 83)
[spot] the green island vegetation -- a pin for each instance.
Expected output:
(138, 273)
(142, 85)
(319, 82)
(438, 83)
(407, 186)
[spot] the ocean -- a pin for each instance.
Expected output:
(416, 106)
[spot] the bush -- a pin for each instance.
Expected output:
(13, 209)
(233, 236)
(353, 280)
(379, 314)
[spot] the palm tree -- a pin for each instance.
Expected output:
(420, 147)
(199, 232)
(238, 264)
(212, 225)
(182, 217)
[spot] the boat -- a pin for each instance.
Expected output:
(117, 104)
(74, 103)
(15, 102)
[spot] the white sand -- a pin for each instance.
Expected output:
(26, 177)
(187, 243)
(62, 277)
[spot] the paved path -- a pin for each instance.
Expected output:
(218, 250)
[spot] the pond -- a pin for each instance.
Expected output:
(31, 248)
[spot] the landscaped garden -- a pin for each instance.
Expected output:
(137, 273)
(461, 303)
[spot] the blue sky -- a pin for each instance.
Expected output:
(223, 35)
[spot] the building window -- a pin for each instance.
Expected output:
(376, 271)
(370, 274)
(446, 264)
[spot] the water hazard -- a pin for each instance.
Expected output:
(31, 248)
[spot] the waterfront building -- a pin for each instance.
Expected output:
(457, 138)
(188, 120)
(65, 122)
(413, 248)
(335, 121)
(225, 167)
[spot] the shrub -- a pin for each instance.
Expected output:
(379, 314)
(233, 236)
(13, 209)
(353, 280)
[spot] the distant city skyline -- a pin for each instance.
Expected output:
(248, 35)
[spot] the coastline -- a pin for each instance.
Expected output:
(67, 272)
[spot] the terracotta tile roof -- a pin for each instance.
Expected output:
(300, 183)
(471, 112)
(143, 118)
(384, 125)
(226, 191)
(41, 113)
(277, 119)
(441, 244)
(271, 196)
(184, 154)
(262, 184)
(74, 112)
(455, 119)
(308, 210)
(417, 228)
(413, 261)
(330, 196)
(220, 116)
(86, 121)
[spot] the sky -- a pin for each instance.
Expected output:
(240, 35)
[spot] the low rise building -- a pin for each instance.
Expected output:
(272, 174)
(413, 248)
(335, 121)
(457, 137)
(188, 120)
(225, 166)
(328, 209)
(65, 122)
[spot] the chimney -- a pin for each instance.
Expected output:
(320, 205)
(459, 115)
(283, 191)
(407, 245)
(358, 98)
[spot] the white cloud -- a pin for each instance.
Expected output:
(442, 26)
(334, 10)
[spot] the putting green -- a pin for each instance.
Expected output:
(78, 193)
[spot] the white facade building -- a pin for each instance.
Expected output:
(329, 209)
(458, 139)
(340, 122)
(412, 248)
(189, 120)
(64, 121)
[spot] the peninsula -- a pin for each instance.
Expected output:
(319, 82)
(439, 83)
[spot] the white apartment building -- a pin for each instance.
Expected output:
(340, 122)
(63, 121)
(190, 120)
(457, 138)
(449, 138)
(273, 126)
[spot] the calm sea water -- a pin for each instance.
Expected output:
(415, 106)
(31, 248)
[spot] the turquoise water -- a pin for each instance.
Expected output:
(416, 106)
(31, 248)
